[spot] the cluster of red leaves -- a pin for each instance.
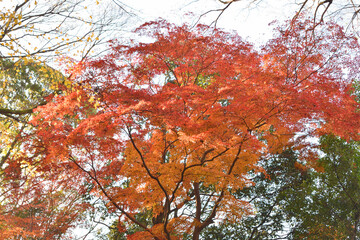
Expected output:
(35, 206)
(183, 119)
(40, 199)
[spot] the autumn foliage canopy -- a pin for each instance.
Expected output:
(175, 124)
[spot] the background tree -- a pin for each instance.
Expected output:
(280, 188)
(331, 209)
(293, 202)
(47, 28)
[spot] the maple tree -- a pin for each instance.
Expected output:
(173, 126)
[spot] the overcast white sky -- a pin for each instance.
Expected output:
(250, 22)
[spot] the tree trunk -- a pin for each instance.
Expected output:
(196, 234)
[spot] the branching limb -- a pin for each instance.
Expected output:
(113, 202)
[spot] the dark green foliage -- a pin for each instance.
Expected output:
(332, 210)
(26, 82)
(269, 196)
(292, 203)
